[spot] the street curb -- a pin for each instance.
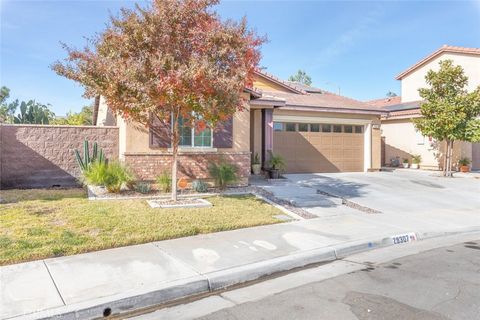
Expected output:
(120, 303)
(218, 280)
(228, 277)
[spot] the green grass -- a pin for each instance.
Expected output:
(36, 224)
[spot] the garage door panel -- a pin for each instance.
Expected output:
(319, 152)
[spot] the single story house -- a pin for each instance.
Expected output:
(312, 129)
(400, 139)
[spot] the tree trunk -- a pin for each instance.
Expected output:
(174, 156)
(449, 153)
(451, 158)
(444, 169)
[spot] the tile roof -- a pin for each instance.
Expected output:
(325, 100)
(304, 87)
(445, 48)
(383, 102)
(402, 110)
(411, 113)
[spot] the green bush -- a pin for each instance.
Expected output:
(95, 173)
(143, 187)
(416, 159)
(199, 186)
(276, 162)
(112, 175)
(164, 181)
(223, 173)
(464, 162)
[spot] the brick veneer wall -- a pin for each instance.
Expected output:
(190, 165)
(43, 156)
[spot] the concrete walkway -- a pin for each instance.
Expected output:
(89, 285)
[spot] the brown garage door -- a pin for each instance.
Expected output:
(320, 151)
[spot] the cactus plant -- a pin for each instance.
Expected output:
(97, 155)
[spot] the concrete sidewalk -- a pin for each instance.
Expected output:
(117, 280)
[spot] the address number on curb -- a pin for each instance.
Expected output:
(404, 238)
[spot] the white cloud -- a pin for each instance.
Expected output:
(347, 39)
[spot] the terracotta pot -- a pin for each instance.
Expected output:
(256, 168)
(464, 168)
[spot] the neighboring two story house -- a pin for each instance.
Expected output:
(399, 138)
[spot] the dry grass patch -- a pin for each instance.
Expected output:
(37, 224)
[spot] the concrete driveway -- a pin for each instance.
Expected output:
(399, 191)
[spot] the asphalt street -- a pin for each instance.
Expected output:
(443, 283)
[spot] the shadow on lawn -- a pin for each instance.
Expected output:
(54, 194)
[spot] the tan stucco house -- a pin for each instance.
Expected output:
(399, 138)
(314, 130)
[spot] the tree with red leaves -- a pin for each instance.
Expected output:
(175, 59)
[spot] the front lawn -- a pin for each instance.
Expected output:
(36, 224)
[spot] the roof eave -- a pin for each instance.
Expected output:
(334, 110)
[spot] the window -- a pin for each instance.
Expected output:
(337, 128)
(348, 129)
(303, 127)
(358, 129)
(326, 128)
(314, 127)
(277, 126)
(194, 137)
(289, 126)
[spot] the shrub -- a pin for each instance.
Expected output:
(416, 159)
(199, 186)
(95, 173)
(112, 175)
(116, 175)
(223, 173)
(164, 181)
(256, 159)
(276, 162)
(143, 187)
(464, 162)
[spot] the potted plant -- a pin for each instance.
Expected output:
(463, 164)
(416, 159)
(276, 163)
(405, 162)
(256, 165)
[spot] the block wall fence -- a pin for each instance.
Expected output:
(34, 156)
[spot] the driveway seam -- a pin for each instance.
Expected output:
(54, 283)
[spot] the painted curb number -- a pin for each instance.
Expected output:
(404, 238)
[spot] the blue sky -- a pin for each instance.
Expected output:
(357, 47)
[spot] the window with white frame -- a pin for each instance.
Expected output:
(194, 137)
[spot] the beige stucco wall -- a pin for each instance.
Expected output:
(105, 116)
(403, 141)
(136, 137)
(267, 85)
(415, 80)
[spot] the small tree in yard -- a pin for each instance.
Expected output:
(172, 60)
(449, 112)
